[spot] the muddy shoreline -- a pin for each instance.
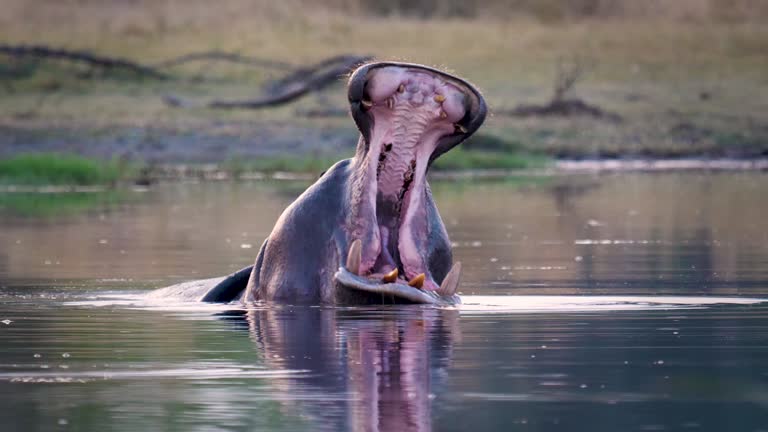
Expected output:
(194, 154)
(218, 143)
(215, 172)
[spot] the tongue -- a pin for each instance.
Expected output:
(385, 263)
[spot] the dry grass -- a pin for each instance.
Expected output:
(294, 31)
(652, 63)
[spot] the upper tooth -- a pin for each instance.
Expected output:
(354, 257)
(439, 98)
(390, 103)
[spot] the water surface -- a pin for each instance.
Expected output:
(676, 339)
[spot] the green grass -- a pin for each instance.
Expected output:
(59, 169)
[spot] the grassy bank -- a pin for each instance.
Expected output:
(61, 169)
(70, 170)
(691, 86)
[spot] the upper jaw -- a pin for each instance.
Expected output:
(474, 105)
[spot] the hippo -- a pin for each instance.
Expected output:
(368, 231)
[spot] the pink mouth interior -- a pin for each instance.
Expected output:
(411, 111)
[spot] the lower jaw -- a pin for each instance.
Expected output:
(376, 292)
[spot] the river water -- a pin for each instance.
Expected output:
(626, 302)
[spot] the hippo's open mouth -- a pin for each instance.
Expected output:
(408, 115)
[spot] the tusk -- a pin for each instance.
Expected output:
(367, 104)
(354, 257)
(401, 88)
(391, 276)
(460, 128)
(391, 103)
(418, 281)
(451, 281)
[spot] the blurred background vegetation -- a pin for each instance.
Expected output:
(682, 78)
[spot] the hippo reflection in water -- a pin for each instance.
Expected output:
(362, 371)
(368, 231)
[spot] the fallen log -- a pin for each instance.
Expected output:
(287, 89)
(225, 57)
(86, 57)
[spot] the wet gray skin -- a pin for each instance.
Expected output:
(368, 231)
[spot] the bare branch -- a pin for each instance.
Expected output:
(566, 76)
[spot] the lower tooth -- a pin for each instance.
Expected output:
(451, 281)
(354, 257)
(418, 281)
(390, 277)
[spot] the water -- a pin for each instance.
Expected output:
(611, 303)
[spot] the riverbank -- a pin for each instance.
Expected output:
(674, 89)
(52, 181)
